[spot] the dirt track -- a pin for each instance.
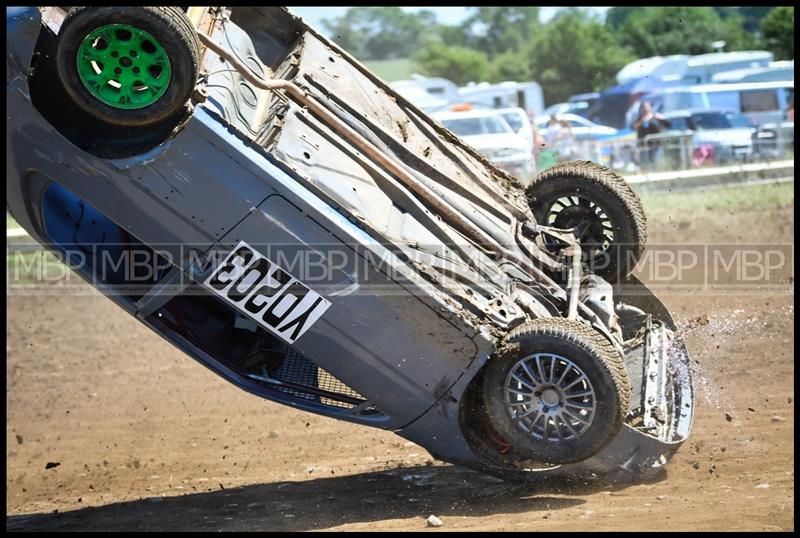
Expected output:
(147, 439)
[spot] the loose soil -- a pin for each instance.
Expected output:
(108, 427)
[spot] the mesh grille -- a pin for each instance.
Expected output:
(301, 371)
(260, 356)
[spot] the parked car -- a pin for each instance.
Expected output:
(582, 103)
(773, 140)
(555, 110)
(519, 122)
(726, 134)
(493, 137)
(582, 128)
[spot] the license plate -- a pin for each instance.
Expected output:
(261, 290)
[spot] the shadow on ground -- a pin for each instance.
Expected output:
(321, 503)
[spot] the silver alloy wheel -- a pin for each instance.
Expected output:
(588, 217)
(550, 398)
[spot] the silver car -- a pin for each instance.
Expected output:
(582, 129)
(729, 134)
(488, 132)
(259, 199)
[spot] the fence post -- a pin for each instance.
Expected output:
(686, 151)
(780, 140)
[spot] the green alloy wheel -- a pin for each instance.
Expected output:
(128, 66)
(123, 66)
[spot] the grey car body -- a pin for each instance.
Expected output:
(414, 308)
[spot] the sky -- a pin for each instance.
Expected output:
(445, 15)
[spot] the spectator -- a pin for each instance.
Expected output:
(649, 123)
(790, 110)
(538, 139)
(559, 137)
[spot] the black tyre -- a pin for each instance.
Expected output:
(128, 66)
(607, 215)
(559, 394)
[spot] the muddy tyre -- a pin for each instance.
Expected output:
(602, 208)
(128, 66)
(560, 392)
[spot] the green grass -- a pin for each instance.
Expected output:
(391, 70)
(10, 222)
(768, 195)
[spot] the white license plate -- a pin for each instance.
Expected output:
(261, 290)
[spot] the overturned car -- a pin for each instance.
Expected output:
(318, 241)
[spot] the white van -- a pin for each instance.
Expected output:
(525, 95)
(429, 94)
(420, 98)
(761, 102)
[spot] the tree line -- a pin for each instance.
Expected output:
(573, 53)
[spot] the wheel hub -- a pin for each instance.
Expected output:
(590, 222)
(123, 66)
(550, 398)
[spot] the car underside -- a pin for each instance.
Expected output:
(318, 241)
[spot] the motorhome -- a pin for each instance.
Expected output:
(419, 97)
(773, 72)
(435, 94)
(654, 67)
(525, 95)
(761, 102)
(430, 94)
(701, 68)
(698, 69)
